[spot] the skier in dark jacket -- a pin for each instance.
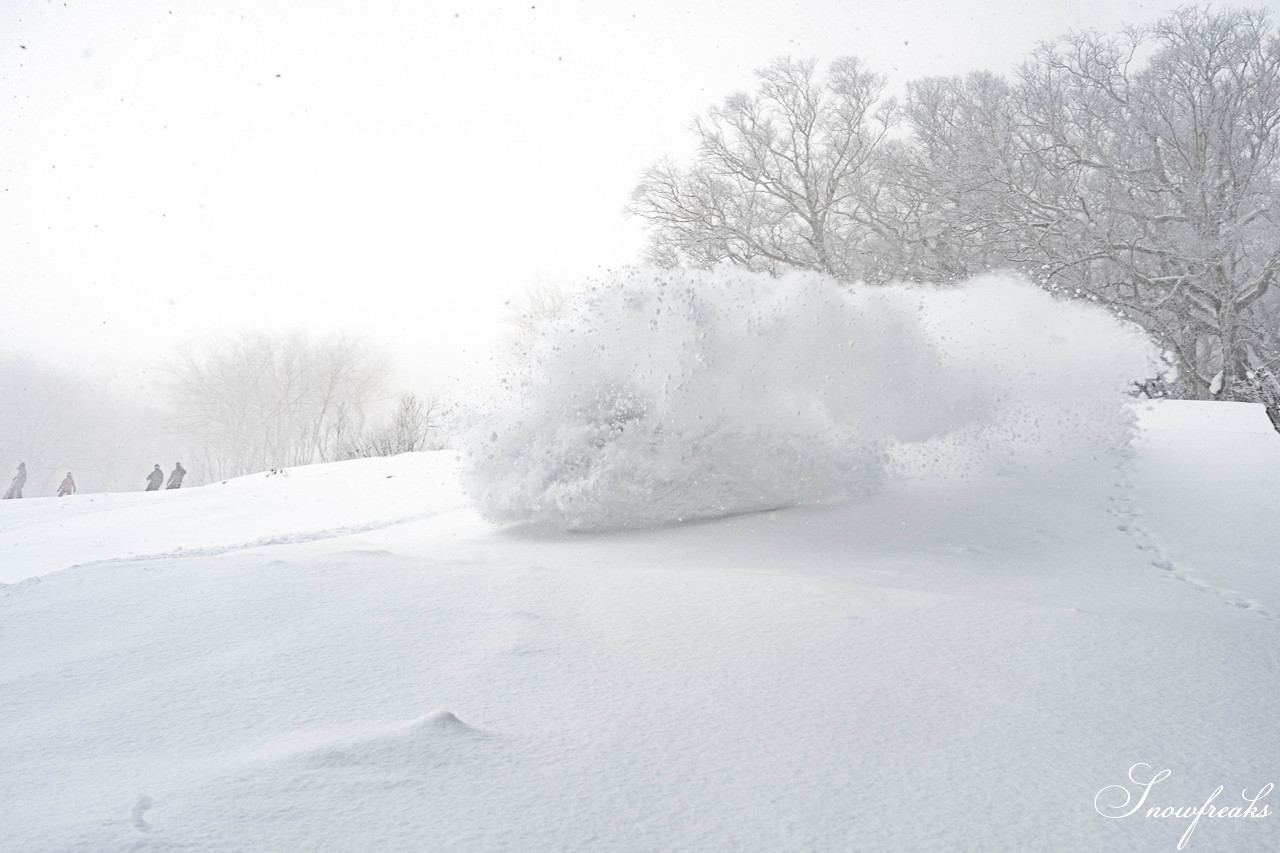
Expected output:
(68, 486)
(175, 479)
(15, 488)
(155, 478)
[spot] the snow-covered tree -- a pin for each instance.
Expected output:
(532, 310)
(952, 196)
(261, 400)
(783, 179)
(414, 425)
(1141, 171)
(1166, 197)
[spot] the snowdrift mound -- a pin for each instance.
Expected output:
(663, 396)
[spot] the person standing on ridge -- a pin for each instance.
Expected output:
(68, 486)
(15, 488)
(175, 479)
(155, 478)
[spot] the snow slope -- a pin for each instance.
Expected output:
(350, 659)
(38, 536)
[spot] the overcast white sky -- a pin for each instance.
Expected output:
(396, 168)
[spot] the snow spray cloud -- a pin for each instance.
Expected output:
(671, 395)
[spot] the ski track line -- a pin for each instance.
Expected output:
(263, 542)
(268, 541)
(1124, 507)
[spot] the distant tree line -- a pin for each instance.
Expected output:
(225, 406)
(1140, 171)
(414, 425)
(262, 400)
(56, 422)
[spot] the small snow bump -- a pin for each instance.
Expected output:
(443, 721)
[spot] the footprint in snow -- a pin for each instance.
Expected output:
(1128, 517)
(526, 614)
(136, 815)
(525, 651)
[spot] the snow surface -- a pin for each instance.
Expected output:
(349, 658)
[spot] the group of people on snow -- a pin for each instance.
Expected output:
(156, 477)
(68, 485)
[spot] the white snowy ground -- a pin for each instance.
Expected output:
(348, 659)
